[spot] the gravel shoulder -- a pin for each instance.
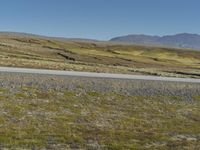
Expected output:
(96, 75)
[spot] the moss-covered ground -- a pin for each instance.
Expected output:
(31, 118)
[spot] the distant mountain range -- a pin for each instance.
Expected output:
(183, 40)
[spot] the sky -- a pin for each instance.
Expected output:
(100, 19)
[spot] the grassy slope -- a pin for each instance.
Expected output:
(98, 57)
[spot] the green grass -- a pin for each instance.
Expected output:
(97, 57)
(33, 118)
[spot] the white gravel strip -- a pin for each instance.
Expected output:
(96, 75)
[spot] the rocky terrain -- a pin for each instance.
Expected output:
(58, 112)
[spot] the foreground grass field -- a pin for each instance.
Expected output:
(48, 112)
(38, 52)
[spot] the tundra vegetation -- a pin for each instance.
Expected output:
(56, 112)
(77, 55)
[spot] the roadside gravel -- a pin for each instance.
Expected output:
(14, 81)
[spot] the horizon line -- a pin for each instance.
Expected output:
(85, 38)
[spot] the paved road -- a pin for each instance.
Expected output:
(95, 75)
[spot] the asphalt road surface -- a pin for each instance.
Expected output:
(95, 75)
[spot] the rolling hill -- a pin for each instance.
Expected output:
(32, 51)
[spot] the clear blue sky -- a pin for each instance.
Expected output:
(100, 19)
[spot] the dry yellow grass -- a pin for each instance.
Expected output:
(35, 52)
